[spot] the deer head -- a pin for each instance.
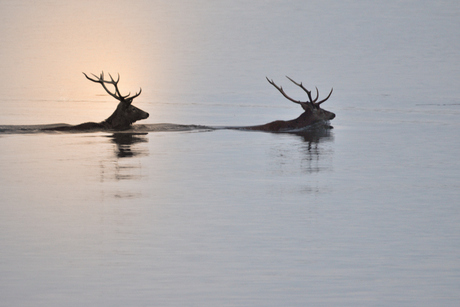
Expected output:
(125, 114)
(312, 106)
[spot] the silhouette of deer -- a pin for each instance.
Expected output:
(313, 112)
(126, 114)
(121, 119)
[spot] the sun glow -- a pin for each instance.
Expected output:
(48, 46)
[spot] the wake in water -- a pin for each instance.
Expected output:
(66, 128)
(144, 128)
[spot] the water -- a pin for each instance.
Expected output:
(364, 215)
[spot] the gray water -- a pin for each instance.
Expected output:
(365, 215)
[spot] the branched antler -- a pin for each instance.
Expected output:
(117, 95)
(306, 91)
(312, 101)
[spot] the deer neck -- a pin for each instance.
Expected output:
(118, 119)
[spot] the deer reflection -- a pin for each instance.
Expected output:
(316, 154)
(126, 146)
(124, 142)
(311, 155)
(314, 137)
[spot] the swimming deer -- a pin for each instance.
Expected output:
(126, 114)
(313, 113)
(123, 117)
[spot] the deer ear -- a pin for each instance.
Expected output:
(304, 106)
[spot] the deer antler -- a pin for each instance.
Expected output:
(312, 101)
(117, 95)
(306, 91)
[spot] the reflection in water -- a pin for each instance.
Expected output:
(125, 169)
(312, 156)
(315, 136)
(125, 141)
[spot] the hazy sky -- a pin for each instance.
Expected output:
(395, 47)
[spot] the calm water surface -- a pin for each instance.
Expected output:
(365, 215)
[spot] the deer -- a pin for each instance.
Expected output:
(126, 114)
(122, 118)
(313, 114)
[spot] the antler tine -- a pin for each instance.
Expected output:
(118, 78)
(317, 95)
(101, 80)
(115, 84)
(320, 102)
(117, 95)
(91, 78)
(306, 91)
(280, 89)
(137, 94)
(112, 81)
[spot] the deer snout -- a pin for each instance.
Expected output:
(143, 115)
